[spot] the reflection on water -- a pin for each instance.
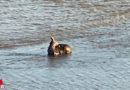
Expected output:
(57, 61)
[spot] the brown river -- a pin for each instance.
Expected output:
(97, 30)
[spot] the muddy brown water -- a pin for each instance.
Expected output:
(98, 32)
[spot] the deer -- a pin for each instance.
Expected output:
(56, 49)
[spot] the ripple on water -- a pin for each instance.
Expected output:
(97, 31)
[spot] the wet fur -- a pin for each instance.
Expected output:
(63, 49)
(56, 49)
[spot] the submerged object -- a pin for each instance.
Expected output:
(56, 49)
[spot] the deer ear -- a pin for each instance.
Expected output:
(52, 38)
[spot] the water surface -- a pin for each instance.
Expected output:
(98, 32)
